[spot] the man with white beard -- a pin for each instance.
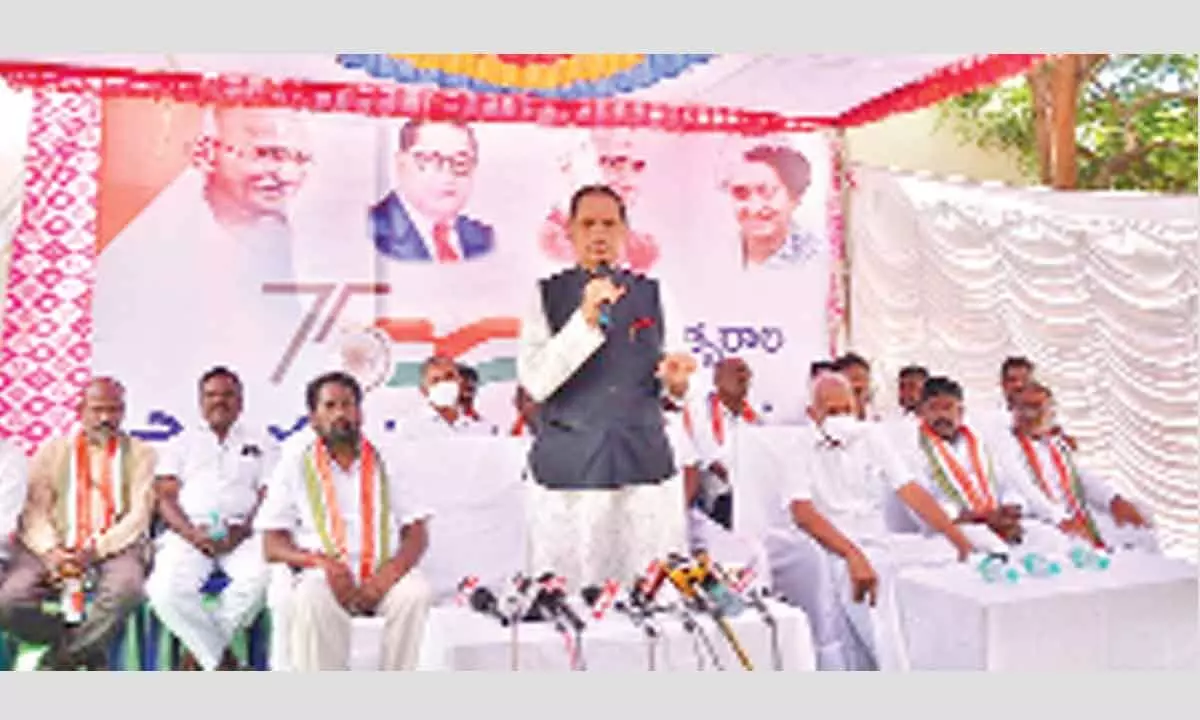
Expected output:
(440, 414)
(837, 495)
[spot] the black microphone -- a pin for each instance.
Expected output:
(551, 597)
(484, 601)
(604, 270)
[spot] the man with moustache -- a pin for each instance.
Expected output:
(87, 514)
(351, 538)
(957, 466)
(596, 353)
(1043, 466)
(210, 484)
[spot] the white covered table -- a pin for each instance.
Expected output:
(460, 639)
(1140, 613)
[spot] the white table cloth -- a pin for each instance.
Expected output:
(460, 639)
(1140, 613)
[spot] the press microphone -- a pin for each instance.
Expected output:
(553, 598)
(600, 599)
(689, 579)
(646, 587)
(716, 586)
(484, 601)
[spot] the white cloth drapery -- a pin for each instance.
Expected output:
(1098, 289)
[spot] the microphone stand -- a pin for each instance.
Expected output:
(514, 640)
(759, 602)
(699, 637)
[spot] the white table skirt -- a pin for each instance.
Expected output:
(460, 639)
(1140, 613)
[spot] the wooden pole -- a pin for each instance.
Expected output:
(1064, 96)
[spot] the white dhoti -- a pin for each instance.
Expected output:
(802, 572)
(877, 639)
(591, 536)
(173, 589)
(320, 630)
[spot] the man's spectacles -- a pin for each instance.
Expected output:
(459, 164)
(277, 154)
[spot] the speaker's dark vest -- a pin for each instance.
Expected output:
(603, 428)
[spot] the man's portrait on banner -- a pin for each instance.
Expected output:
(421, 219)
(616, 157)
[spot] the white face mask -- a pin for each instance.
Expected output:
(843, 428)
(444, 394)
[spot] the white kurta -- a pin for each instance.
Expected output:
(220, 482)
(590, 536)
(14, 482)
(318, 630)
(849, 485)
(1039, 535)
(713, 449)
(426, 422)
(1053, 508)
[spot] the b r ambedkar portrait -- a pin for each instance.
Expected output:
(421, 219)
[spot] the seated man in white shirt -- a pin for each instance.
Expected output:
(711, 421)
(1080, 503)
(14, 483)
(352, 539)
(441, 414)
(958, 468)
(210, 483)
(837, 496)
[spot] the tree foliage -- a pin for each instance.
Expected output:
(1136, 121)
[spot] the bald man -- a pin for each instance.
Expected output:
(440, 413)
(257, 162)
(837, 496)
(189, 270)
(100, 469)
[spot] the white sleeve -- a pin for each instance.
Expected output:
(170, 458)
(279, 510)
(673, 341)
(896, 471)
(546, 361)
(1016, 482)
(14, 484)
(1097, 492)
(797, 478)
(407, 508)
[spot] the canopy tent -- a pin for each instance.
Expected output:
(756, 93)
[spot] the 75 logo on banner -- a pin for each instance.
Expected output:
(363, 356)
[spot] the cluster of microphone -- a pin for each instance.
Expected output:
(678, 588)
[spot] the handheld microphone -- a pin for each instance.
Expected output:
(553, 598)
(605, 319)
(484, 601)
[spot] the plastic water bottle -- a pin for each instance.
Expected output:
(1038, 566)
(73, 601)
(1085, 558)
(995, 569)
(216, 528)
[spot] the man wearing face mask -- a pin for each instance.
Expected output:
(441, 413)
(837, 497)
(958, 467)
(1043, 466)
(108, 475)
(596, 353)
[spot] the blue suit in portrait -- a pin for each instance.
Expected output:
(397, 238)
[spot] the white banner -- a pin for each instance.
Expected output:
(284, 244)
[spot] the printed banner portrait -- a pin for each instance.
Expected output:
(283, 244)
